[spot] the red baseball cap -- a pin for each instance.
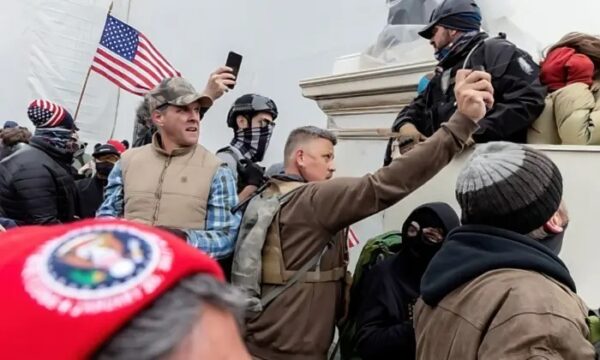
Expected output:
(117, 145)
(67, 289)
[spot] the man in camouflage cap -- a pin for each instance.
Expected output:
(174, 182)
(218, 84)
(177, 91)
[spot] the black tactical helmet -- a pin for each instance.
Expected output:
(448, 8)
(250, 104)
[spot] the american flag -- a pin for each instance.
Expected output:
(352, 238)
(127, 58)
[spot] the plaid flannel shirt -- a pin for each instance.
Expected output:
(221, 226)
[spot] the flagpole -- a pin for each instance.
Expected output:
(114, 127)
(87, 77)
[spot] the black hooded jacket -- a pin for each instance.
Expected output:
(472, 250)
(384, 320)
(36, 185)
(519, 96)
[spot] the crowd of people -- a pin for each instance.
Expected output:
(167, 250)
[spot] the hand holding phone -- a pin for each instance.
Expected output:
(219, 82)
(234, 61)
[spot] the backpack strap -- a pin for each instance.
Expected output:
(228, 150)
(266, 300)
(500, 55)
(234, 154)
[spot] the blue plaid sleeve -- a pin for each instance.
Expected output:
(112, 206)
(221, 227)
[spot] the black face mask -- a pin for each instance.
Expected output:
(555, 241)
(103, 169)
(419, 245)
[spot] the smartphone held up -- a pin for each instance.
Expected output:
(234, 61)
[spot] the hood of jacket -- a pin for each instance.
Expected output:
(472, 250)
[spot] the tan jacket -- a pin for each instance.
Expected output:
(167, 190)
(299, 324)
(571, 117)
(504, 314)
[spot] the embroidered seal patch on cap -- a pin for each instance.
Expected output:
(96, 269)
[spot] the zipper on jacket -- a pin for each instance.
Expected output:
(158, 192)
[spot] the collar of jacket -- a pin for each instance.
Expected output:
(59, 155)
(289, 177)
(157, 146)
(472, 250)
(459, 54)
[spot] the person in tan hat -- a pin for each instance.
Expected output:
(174, 182)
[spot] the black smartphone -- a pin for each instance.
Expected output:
(234, 61)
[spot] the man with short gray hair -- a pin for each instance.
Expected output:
(308, 153)
(304, 258)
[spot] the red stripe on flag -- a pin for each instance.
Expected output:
(172, 72)
(154, 67)
(155, 77)
(112, 79)
(145, 54)
(352, 238)
(118, 73)
(148, 82)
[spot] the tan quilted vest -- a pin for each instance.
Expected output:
(168, 190)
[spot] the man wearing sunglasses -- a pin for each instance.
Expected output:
(174, 182)
(391, 287)
(252, 118)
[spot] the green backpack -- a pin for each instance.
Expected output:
(375, 251)
(593, 322)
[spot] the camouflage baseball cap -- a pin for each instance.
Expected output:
(176, 91)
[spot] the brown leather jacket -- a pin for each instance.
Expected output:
(491, 293)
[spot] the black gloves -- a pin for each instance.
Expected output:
(251, 173)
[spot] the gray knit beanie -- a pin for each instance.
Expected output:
(510, 186)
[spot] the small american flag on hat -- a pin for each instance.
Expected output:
(127, 58)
